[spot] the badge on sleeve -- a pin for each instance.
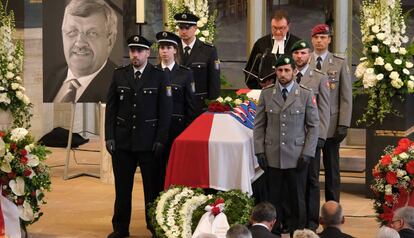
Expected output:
(169, 92)
(328, 84)
(314, 100)
(217, 64)
(193, 87)
(333, 86)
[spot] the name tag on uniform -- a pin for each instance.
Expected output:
(217, 64)
(169, 92)
(193, 87)
(121, 97)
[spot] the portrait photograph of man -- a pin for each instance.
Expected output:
(80, 49)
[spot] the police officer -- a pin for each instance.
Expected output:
(266, 49)
(285, 136)
(318, 82)
(183, 88)
(202, 58)
(340, 105)
(137, 118)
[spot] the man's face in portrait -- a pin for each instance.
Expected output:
(86, 43)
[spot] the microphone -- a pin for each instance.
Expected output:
(258, 55)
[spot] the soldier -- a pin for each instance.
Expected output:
(183, 88)
(340, 105)
(138, 114)
(318, 82)
(266, 49)
(285, 136)
(202, 58)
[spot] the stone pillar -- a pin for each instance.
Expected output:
(256, 14)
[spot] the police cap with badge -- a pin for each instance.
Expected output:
(138, 42)
(186, 19)
(168, 38)
(321, 29)
(284, 60)
(300, 45)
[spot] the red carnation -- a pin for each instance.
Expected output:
(24, 160)
(386, 160)
(13, 146)
(215, 211)
(391, 178)
(2, 133)
(376, 173)
(410, 167)
(23, 152)
(27, 173)
(389, 198)
(11, 175)
(404, 143)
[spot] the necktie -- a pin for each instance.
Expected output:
(298, 77)
(70, 94)
(318, 65)
(284, 93)
(186, 54)
(138, 75)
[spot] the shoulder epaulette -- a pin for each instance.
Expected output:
(304, 87)
(208, 44)
(319, 71)
(121, 66)
(338, 57)
(184, 67)
(268, 86)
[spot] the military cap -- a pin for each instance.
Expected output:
(186, 18)
(321, 29)
(300, 45)
(284, 60)
(138, 41)
(168, 37)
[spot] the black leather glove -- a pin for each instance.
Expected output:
(303, 161)
(261, 159)
(110, 146)
(158, 148)
(340, 133)
(321, 143)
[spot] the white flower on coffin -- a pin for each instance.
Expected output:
(18, 134)
(8, 157)
(394, 75)
(33, 160)
(388, 189)
(17, 186)
(393, 49)
(26, 212)
(220, 99)
(379, 61)
(360, 70)
(397, 83)
(238, 101)
(228, 99)
(2, 147)
(370, 21)
(388, 67)
(5, 167)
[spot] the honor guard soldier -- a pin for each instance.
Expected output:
(340, 85)
(285, 135)
(137, 119)
(318, 82)
(202, 58)
(183, 89)
(268, 48)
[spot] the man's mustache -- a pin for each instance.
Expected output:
(81, 50)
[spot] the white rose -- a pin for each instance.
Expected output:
(388, 67)
(15, 86)
(410, 84)
(10, 66)
(228, 99)
(200, 24)
(18, 78)
(2, 88)
(9, 75)
(204, 20)
(379, 61)
(18, 134)
(405, 39)
(19, 95)
(374, 49)
(388, 189)
(370, 38)
(394, 75)
(387, 42)
(401, 173)
(380, 77)
(202, 39)
(393, 49)
(26, 100)
(395, 84)
(406, 71)
(10, 58)
(375, 29)
(412, 77)
(197, 32)
(205, 33)
(408, 64)
(370, 70)
(397, 61)
(33, 160)
(4, 98)
(220, 99)
(370, 21)
(402, 51)
(360, 70)
(21, 88)
(403, 155)
(238, 101)
(363, 59)
(380, 36)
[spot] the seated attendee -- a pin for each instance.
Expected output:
(386, 232)
(238, 231)
(305, 233)
(263, 219)
(403, 222)
(331, 220)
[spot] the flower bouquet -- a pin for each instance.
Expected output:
(24, 176)
(227, 103)
(385, 70)
(394, 180)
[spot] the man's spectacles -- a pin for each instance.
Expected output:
(282, 28)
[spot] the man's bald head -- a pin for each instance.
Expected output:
(331, 214)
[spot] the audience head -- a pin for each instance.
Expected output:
(206, 235)
(264, 213)
(238, 231)
(403, 218)
(305, 233)
(280, 24)
(386, 232)
(331, 214)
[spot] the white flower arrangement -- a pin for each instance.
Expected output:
(187, 210)
(206, 31)
(384, 71)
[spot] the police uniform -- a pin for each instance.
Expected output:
(262, 49)
(183, 88)
(137, 118)
(204, 63)
(340, 85)
(286, 132)
(318, 82)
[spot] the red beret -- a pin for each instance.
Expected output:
(321, 29)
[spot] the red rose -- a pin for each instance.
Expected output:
(404, 143)
(27, 173)
(389, 198)
(410, 167)
(2, 133)
(24, 160)
(391, 178)
(11, 175)
(23, 152)
(19, 201)
(215, 210)
(13, 146)
(385, 160)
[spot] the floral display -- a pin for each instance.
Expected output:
(227, 103)
(206, 31)
(24, 176)
(176, 212)
(394, 180)
(385, 70)
(12, 96)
